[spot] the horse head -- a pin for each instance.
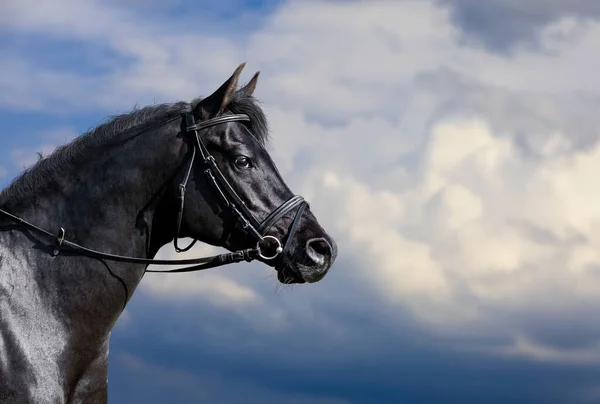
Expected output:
(238, 198)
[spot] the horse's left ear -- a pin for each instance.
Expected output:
(216, 103)
(251, 86)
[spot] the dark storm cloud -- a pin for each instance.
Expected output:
(181, 353)
(501, 24)
(566, 332)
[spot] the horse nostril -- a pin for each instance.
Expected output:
(319, 250)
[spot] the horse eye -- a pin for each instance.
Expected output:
(242, 161)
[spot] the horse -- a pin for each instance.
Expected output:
(79, 228)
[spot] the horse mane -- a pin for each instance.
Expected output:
(107, 133)
(243, 103)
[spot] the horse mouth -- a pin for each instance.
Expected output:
(288, 276)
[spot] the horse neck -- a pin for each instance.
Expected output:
(110, 198)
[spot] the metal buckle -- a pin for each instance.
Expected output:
(238, 255)
(60, 238)
(278, 249)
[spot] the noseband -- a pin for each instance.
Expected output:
(229, 198)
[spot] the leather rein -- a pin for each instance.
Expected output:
(230, 199)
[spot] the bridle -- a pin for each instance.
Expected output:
(230, 199)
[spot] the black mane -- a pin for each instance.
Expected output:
(242, 103)
(106, 134)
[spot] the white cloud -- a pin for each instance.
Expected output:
(464, 182)
(217, 289)
(474, 190)
(237, 287)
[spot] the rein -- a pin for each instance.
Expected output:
(230, 199)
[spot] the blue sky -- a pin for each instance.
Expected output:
(450, 147)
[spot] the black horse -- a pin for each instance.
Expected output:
(79, 228)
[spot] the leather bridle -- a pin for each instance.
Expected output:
(230, 199)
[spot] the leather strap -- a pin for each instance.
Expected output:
(62, 244)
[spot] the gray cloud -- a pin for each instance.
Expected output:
(503, 24)
(199, 353)
(448, 253)
(204, 386)
(529, 117)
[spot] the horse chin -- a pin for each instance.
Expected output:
(287, 275)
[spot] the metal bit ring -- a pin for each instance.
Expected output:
(278, 249)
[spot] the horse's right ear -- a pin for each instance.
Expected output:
(216, 103)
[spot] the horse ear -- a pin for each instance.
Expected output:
(251, 85)
(216, 103)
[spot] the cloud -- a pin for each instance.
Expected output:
(503, 25)
(218, 289)
(484, 226)
(207, 344)
(525, 347)
(461, 181)
(132, 55)
(206, 387)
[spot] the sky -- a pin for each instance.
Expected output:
(450, 147)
